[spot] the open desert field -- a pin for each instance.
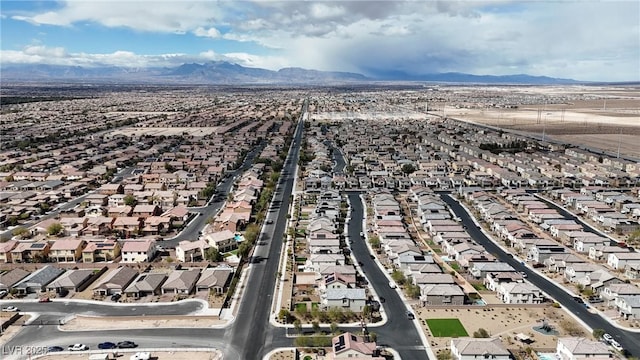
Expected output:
(601, 117)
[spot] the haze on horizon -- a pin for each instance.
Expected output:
(582, 40)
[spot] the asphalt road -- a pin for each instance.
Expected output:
(252, 335)
(399, 332)
(628, 340)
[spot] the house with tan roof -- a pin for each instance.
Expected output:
(224, 240)
(181, 282)
(74, 280)
(137, 251)
(115, 281)
(189, 251)
(127, 226)
(146, 284)
(476, 348)
(25, 252)
(10, 278)
(574, 348)
(351, 346)
(101, 250)
(215, 279)
(5, 250)
(67, 250)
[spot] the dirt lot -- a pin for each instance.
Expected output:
(169, 355)
(592, 122)
(501, 321)
(91, 323)
(283, 355)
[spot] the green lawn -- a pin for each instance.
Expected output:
(301, 307)
(446, 328)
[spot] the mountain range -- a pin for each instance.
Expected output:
(226, 73)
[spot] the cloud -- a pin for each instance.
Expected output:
(211, 32)
(38, 54)
(582, 40)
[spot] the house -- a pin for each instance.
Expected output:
(127, 226)
(136, 251)
(73, 280)
(189, 251)
(620, 260)
(628, 306)
(145, 211)
(519, 293)
(38, 280)
(352, 299)
(573, 348)
(214, 279)
(224, 240)
(26, 252)
(480, 270)
(146, 284)
(10, 278)
(441, 294)
(181, 282)
(67, 250)
(101, 250)
(612, 291)
(493, 280)
(115, 281)
(337, 281)
(478, 348)
(350, 346)
(5, 250)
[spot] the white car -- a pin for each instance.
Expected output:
(78, 347)
(607, 337)
(10, 308)
(616, 345)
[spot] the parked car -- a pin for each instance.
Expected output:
(382, 300)
(3, 293)
(127, 344)
(10, 308)
(54, 349)
(44, 300)
(616, 345)
(269, 221)
(392, 284)
(107, 345)
(607, 338)
(116, 297)
(78, 347)
(578, 299)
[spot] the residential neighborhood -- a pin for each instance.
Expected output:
(369, 207)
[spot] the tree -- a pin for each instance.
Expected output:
(213, 254)
(130, 200)
(408, 169)
(398, 277)
(597, 333)
(413, 291)
(374, 241)
(444, 354)
(54, 229)
(316, 326)
(244, 249)
(334, 328)
(284, 315)
(481, 333)
(297, 325)
(20, 232)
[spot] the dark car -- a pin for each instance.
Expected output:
(578, 299)
(382, 300)
(127, 344)
(116, 297)
(54, 348)
(269, 221)
(107, 345)
(410, 315)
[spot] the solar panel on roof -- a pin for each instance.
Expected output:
(37, 246)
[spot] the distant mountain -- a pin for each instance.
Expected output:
(225, 73)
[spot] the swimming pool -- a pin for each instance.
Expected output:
(445, 258)
(547, 356)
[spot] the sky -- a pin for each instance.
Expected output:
(590, 40)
